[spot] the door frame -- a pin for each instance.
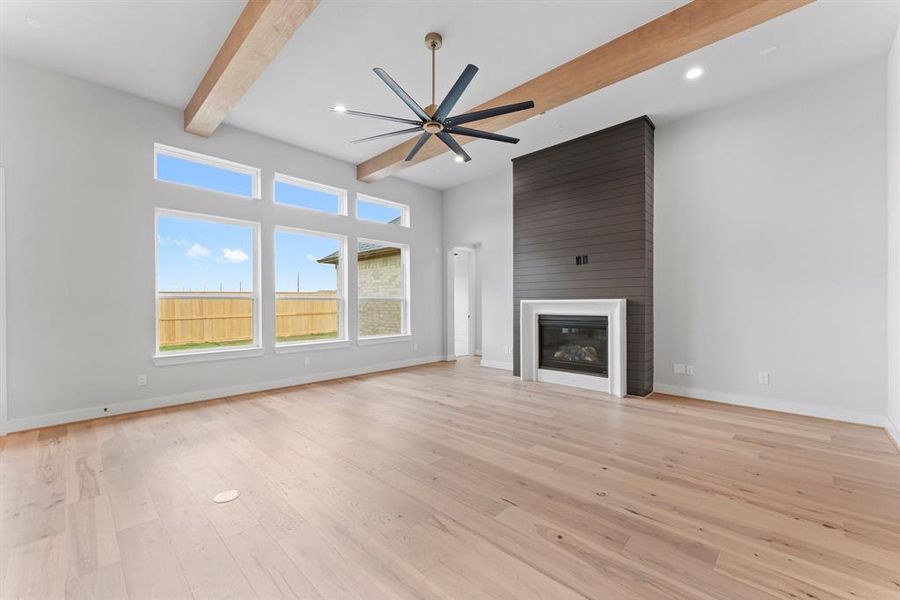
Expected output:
(450, 312)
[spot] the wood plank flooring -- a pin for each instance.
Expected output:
(451, 481)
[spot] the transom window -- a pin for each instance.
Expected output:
(381, 211)
(206, 283)
(206, 172)
(309, 287)
(383, 288)
(300, 193)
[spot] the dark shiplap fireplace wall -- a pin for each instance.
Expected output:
(590, 196)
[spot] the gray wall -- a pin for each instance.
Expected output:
(80, 200)
(590, 196)
(480, 214)
(769, 221)
(893, 227)
(770, 249)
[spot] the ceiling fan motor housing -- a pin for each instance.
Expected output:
(433, 41)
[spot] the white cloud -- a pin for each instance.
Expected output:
(197, 251)
(312, 258)
(234, 256)
(165, 240)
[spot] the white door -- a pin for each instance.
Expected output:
(461, 309)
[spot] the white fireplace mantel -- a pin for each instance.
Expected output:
(614, 310)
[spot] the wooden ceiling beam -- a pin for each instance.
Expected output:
(261, 31)
(680, 32)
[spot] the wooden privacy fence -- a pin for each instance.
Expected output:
(217, 318)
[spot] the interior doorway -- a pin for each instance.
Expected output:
(464, 302)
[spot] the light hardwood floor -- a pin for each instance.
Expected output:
(451, 481)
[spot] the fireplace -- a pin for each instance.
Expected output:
(574, 343)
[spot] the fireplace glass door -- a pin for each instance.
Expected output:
(574, 343)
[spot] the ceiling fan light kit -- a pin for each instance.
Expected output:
(435, 119)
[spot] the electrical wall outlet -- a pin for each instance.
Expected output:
(506, 350)
(415, 347)
(141, 380)
(678, 368)
(763, 378)
(307, 360)
(689, 369)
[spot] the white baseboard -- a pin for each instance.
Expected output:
(122, 408)
(893, 431)
(497, 364)
(798, 408)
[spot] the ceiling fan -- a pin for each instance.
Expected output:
(435, 119)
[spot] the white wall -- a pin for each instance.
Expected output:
(893, 208)
(769, 249)
(80, 201)
(480, 213)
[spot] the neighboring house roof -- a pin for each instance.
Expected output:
(366, 250)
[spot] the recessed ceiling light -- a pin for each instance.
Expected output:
(339, 108)
(768, 50)
(32, 22)
(459, 158)
(693, 73)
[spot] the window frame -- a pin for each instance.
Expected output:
(404, 209)
(343, 337)
(210, 161)
(184, 356)
(310, 185)
(406, 301)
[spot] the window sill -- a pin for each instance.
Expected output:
(310, 346)
(384, 339)
(192, 357)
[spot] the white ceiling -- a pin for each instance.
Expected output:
(161, 49)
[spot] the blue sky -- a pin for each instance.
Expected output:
(286, 193)
(196, 256)
(376, 212)
(179, 170)
(298, 253)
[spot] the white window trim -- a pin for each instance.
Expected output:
(406, 308)
(404, 209)
(342, 338)
(311, 185)
(254, 349)
(289, 347)
(384, 339)
(211, 161)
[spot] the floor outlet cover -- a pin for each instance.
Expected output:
(226, 496)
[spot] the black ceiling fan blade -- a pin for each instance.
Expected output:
(407, 99)
(419, 143)
(455, 92)
(389, 134)
(488, 112)
(477, 133)
(454, 145)
(382, 117)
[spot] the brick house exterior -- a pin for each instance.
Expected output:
(380, 274)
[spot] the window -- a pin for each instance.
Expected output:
(383, 290)
(313, 196)
(309, 286)
(207, 172)
(382, 211)
(206, 283)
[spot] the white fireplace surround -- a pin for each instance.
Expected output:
(614, 310)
